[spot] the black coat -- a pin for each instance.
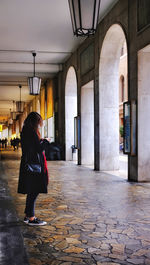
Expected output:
(32, 147)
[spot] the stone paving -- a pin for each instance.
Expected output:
(93, 218)
(12, 250)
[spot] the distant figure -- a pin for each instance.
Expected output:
(13, 143)
(17, 141)
(0, 143)
(3, 143)
(6, 142)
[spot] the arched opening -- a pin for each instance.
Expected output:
(113, 91)
(70, 113)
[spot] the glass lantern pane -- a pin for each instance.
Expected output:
(34, 84)
(97, 7)
(87, 11)
(20, 106)
(78, 19)
(72, 15)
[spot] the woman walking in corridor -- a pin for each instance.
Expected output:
(33, 177)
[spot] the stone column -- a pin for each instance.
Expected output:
(87, 124)
(144, 115)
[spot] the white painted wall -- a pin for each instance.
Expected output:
(42, 129)
(4, 133)
(70, 110)
(51, 129)
(109, 98)
(87, 124)
(143, 116)
(38, 106)
(9, 133)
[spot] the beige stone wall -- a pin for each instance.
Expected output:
(123, 74)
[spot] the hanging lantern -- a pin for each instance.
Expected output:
(34, 83)
(84, 16)
(20, 104)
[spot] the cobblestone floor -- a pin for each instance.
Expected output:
(93, 218)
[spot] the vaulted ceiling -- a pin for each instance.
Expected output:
(28, 25)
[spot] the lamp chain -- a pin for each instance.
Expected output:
(20, 92)
(34, 65)
(34, 54)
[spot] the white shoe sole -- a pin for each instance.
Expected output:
(37, 224)
(26, 222)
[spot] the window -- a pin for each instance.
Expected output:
(143, 13)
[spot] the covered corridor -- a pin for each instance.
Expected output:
(92, 218)
(81, 67)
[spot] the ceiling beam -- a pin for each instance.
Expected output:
(27, 74)
(15, 84)
(28, 67)
(28, 51)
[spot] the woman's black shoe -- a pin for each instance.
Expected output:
(36, 221)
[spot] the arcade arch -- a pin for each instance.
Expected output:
(111, 54)
(70, 112)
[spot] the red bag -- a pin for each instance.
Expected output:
(45, 167)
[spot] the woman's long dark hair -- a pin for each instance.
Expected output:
(32, 121)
